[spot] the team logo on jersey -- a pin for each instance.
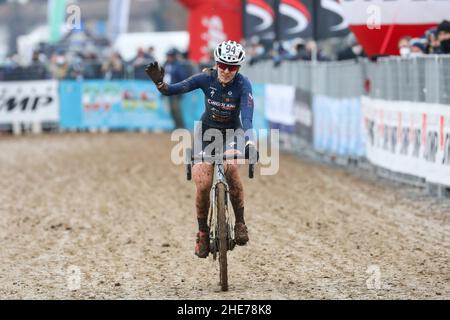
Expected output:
(213, 91)
(230, 93)
(222, 105)
(250, 100)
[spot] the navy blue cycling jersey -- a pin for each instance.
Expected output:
(223, 104)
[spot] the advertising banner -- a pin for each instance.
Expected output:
(295, 19)
(260, 17)
(408, 137)
(311, 19)
(337, 126)
(135, 105)
(319, 120)
(331, 21)
(29, 101)
(379, 24)
(303, 116)
(113, 105)
(279, 101)
(210, 23)
(259, 95)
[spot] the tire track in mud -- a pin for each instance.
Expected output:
(116, 208)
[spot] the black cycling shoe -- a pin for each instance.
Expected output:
(202, 244)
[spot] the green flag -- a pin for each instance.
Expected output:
(56, 14)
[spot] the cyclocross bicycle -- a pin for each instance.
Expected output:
(221, 222)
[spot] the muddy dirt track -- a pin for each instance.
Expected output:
(96, 216)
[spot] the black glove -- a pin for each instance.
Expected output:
(155, 72)
(251, 153)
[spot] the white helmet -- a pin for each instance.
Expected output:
(230, 52)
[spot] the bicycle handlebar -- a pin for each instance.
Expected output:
(216, 157)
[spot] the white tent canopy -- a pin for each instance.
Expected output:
(27, 43)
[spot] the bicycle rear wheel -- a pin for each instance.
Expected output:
(222, 235)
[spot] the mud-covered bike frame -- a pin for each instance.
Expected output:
(221, 222)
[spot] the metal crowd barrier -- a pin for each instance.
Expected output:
(335, 79)
(416, 79)
(86, 71)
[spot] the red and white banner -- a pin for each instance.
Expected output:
(379, 24)
(290, 19)
(409, 137)
(260, 18)
(211, 22)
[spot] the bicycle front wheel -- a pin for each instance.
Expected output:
(222, 235)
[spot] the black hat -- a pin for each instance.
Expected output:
(172, 52)
(444, 26)
(419, 43)
(431, 31)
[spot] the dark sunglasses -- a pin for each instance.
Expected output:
(224, 66)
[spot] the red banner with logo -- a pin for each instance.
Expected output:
(379, 24)
(211, 22)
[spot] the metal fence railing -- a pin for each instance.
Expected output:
(417, 79)
(86, 71)
(336, 79)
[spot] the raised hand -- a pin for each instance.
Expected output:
(155, 72)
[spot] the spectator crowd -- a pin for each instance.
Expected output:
(64, 64)
(71, 62)
(434, 41)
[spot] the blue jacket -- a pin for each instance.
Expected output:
(174, 72)
(223, 104)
